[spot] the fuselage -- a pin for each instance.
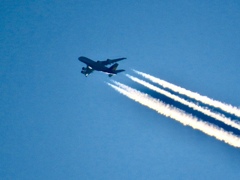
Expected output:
(94, 65)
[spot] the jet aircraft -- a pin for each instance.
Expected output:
(100, 66)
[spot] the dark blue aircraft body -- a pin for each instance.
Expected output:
(100, 66)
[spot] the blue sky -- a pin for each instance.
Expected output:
(57, 124)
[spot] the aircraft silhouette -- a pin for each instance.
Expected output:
(100, 66)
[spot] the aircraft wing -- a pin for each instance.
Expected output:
(111, 61)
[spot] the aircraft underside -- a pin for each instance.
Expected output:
(100, 66)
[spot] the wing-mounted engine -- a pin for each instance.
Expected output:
(86, 71)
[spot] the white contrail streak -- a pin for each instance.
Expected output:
(176, 114)
(204, 99)
(216, 116)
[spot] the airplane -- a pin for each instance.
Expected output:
(100, 66)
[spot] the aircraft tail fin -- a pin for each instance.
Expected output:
(113, 70)
(113, 67)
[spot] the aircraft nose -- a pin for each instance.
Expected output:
(80, 58)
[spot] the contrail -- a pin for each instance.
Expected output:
(176, 114)
(204, 99)
(216, 116)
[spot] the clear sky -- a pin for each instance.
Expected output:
(57, 124)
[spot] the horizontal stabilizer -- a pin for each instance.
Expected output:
(120, 70)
